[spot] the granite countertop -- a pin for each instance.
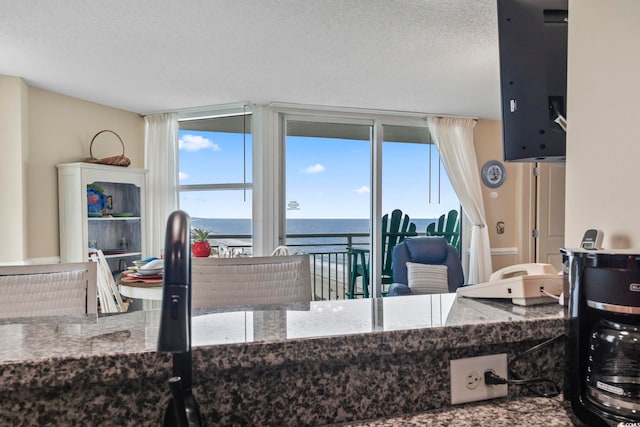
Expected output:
(63, 350)
(41, 339)
(295, 364)
(524, 411)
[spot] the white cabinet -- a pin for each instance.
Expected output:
(119, 229)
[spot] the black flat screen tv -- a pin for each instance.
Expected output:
(532, 38)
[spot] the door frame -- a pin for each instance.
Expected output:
(527, 211)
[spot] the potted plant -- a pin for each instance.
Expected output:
(201, 246)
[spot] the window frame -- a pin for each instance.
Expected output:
(267, 183)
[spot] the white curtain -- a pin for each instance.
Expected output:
(454, 139)
(161, 162)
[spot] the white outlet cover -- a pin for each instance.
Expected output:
(460, 369)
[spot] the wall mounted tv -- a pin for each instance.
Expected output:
(533, 79)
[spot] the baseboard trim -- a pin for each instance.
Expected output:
(504, 251)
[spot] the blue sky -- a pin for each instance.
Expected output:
(327, 177)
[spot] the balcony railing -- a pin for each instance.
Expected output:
(330, 262)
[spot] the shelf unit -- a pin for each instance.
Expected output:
(126, 186)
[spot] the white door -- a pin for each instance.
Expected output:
(550, 213)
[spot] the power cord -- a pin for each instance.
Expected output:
(550, 295)
(491, 378)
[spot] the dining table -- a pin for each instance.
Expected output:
(134, 285)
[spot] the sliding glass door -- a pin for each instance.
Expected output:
(328, 197)
(335, 182)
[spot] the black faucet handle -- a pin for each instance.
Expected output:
(174, 335)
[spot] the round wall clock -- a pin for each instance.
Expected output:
(493, 174)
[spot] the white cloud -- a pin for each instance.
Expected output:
(317, 168)
(362, 190)
(190, 142)
(182, 176)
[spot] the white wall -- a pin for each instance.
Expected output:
(60, 131)
(603, 111)
(13, 150)
(39, 129)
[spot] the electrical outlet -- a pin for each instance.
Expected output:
(467, 378)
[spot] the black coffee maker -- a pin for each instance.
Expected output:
(603, 331)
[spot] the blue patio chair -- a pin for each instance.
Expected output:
(432, 250)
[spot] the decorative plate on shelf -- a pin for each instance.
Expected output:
(97, 201)
(493, 174)
(121, 214)
(94, 214)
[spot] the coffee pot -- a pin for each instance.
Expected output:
(603, 331)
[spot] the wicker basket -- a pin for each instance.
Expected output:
(119, 160)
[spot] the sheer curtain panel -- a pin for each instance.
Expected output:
(454, 139)
(160, 160)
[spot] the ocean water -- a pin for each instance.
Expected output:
(305, 226)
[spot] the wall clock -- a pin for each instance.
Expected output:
(493, 174)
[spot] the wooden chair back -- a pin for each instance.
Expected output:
(448, 226)
(395, 228)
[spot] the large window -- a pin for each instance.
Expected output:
(215, 158)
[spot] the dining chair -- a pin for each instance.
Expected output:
(48, 290)
(218, 282)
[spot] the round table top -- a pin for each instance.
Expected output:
(141, 291)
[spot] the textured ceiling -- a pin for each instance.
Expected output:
(432, 56)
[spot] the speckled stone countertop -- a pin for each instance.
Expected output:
(524, 411)
(42, 339)
(292, 365)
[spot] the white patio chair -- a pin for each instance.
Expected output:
(218, 282)
(48, 290)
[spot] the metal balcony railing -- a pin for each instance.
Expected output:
(330, 262)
